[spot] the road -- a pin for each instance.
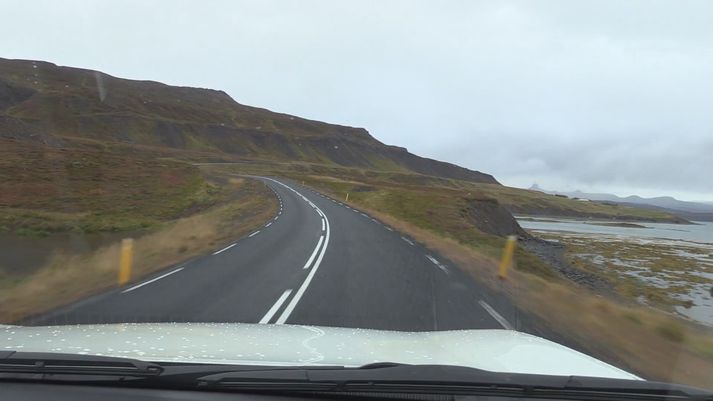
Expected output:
(317, 262)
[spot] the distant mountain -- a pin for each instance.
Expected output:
(44, 103)
(662, 202)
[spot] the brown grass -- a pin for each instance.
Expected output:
(69, 277)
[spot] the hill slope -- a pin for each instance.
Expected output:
(695, 211)
(662, 202)
(43, 102)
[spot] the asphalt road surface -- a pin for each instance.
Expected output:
(317, 262)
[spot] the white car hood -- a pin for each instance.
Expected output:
(237, 343)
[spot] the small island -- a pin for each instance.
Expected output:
(618, 224)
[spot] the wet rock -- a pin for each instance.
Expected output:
(552, 253)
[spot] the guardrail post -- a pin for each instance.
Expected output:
(126, 259)
(508, 253)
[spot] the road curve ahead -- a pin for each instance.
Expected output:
(317, 262)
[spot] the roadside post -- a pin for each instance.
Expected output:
(126, 259)
(347, 198)
(508, 253)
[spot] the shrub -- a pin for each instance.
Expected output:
(671, 331)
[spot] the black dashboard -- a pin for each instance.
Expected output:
(15, 391)
(68, 392)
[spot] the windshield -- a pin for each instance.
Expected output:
(511, 186)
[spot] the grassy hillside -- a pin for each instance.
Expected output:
(60, 112)
(527, 202)
(43, 102)
(93, 188)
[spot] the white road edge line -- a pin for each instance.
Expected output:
(506, 325)
(268, 224)
(314, 253)
(254, 234)
(407, 240)
(323, 224)
(152, 280)
(389, 228)
(275, 307)
(224, 249)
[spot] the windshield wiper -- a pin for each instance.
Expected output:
(96, 369)
(48, 363)
(375, 379)
(395, 379)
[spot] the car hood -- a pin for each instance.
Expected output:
(291, 345)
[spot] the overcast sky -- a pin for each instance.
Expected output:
(612, 96)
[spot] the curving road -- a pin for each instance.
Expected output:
(318, 262)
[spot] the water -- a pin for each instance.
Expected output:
(700, 232)
(676, 239)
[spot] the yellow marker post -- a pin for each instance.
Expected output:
(126, 260)
(347, 198)
(508, 253)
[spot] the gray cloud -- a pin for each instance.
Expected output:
(597, 95)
